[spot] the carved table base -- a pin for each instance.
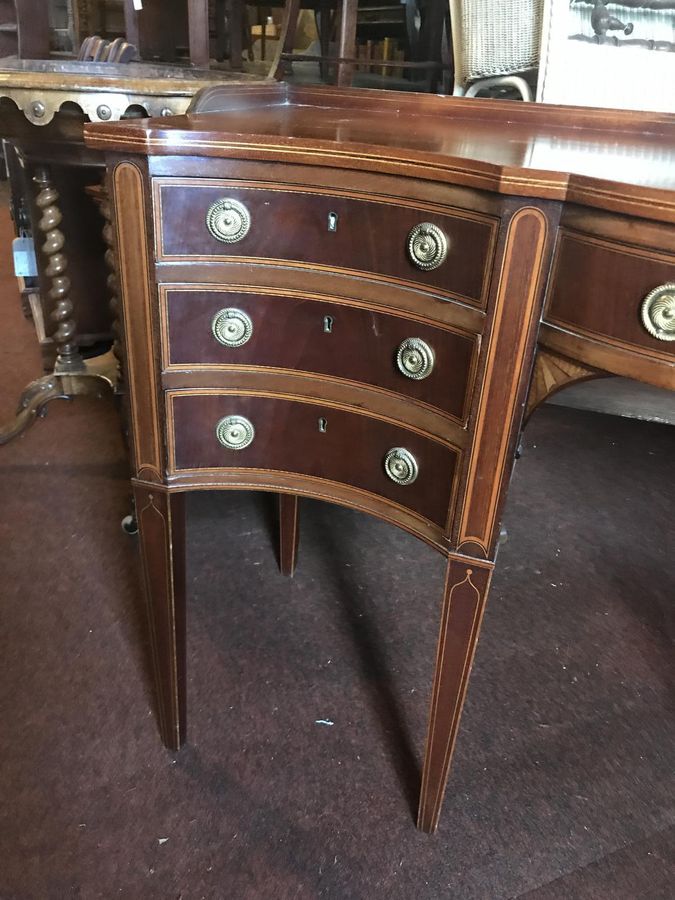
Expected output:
(57, 386)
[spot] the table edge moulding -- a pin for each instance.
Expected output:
(285, 217)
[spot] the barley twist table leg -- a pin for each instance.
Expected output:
(113, 286)
(70, 376)
(68, 358)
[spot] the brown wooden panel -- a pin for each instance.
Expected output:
(136, 292)
(289, 333)
(509, 354)
(288, 439)
(466, 588)
(292, 225)
(597, 289)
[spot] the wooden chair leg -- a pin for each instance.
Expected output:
(289, 533)
(220, 14)
(326, 21)
(466, 587)
(198, 33)
(161, 529)
(280, 67)
(347, 42)
(236, 23)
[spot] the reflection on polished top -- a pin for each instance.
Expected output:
(533, 149)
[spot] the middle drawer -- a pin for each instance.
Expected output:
(215, 328)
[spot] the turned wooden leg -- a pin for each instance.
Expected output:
(198, 33)
(161, 528)
(281, 65)
(289, 533)
(466, 589)
(237, 12)
(112, 283)
(347, 42)
(68, 354)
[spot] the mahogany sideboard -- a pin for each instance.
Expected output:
(356, 296)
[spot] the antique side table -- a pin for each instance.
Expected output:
(351, 295)
(43, 107)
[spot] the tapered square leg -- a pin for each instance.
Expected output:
(466, 587)
(161, 530)
(289, 533)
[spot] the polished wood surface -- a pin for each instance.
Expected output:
(289, 533)
(299, 221)
(546, 289)
(288, 438)
(609, 159)
(317, 336)
(626, 273)
(161, 525)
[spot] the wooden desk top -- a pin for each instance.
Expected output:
(610, 159)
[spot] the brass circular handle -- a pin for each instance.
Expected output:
(228, 220)
(427, 246)
(415, 358)
(232, 327)
(235, 432)
(658, 312)
(401, 466)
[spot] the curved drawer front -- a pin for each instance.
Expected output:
(326, 338)
(602, 289)
(320, 230)
(311, 439)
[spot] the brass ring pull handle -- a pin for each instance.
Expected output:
(235, 432)
(427, 246)
(401, 466)
(232, 327)
(228, 220)
(415, 358)
(658, 312)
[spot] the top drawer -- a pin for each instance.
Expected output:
(621, 295)
(321, 230)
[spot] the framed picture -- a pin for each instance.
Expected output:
(619, 55)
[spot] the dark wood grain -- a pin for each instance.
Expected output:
(464, 596)
(289, 533)
(585, 266)
(288, 439)
(515, 309)
(291, 333)
(370, 236)
(136, 293)
(161, 525)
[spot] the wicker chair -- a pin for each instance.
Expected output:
(494, 43)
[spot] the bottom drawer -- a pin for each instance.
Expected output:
(215, 431)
